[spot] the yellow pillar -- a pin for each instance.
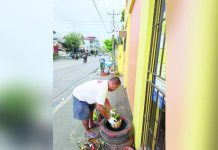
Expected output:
(120, 59)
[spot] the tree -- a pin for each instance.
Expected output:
(73, 41)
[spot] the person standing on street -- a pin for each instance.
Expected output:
(91, 95)
(102, 64)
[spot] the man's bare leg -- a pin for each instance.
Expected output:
(91, 122)
(91, 119)
(86, 125)
(88, 132)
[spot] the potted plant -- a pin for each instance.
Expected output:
(117, 124)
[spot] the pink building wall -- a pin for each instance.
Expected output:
(133, 51)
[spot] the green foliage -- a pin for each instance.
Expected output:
(116, 116)
(108, 45)
(73, 41)
(122, 15)
(95, 116)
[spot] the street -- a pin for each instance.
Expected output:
(67, 73)
(67, 131)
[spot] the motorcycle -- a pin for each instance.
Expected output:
(84, 58)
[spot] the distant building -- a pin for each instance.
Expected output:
(58, 44)
(91, 44)
(55, 43)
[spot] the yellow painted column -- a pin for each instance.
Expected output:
(120, 59)
(142, 65)
(125, 76)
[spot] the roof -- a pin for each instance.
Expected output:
(90, 38)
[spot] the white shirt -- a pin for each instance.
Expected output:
(94, 91)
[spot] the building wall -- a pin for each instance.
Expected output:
(125, 76)
(55, 48)
(133, 50)
(142, 65)
(139, 28)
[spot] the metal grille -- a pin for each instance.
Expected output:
(153, 130)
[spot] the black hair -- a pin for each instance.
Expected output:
(116, 80)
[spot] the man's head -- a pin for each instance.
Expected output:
(113, 83)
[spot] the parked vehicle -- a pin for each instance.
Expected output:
(73, 55)
(76, 55)
(100, 54)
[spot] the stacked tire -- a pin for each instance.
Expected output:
(117, 140)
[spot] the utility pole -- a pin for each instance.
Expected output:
(113, 43)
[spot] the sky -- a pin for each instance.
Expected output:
(82, 16)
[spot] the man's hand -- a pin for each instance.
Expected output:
(112, 112)
(112, 120)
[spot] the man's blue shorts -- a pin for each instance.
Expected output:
(81, 110)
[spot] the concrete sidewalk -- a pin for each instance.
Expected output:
(67, 131)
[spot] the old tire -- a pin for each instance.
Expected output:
(116, 137)
(117, 140)
(109, 146)
(117, 134)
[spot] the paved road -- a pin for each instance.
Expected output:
(69, 72)
(67, 131)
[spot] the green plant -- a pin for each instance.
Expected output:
(108, 45)
(95, 115)
(114, 114)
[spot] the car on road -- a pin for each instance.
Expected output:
(100, 54)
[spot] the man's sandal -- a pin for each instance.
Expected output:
(91, 135)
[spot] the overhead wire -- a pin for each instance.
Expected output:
(60, 11)
(99, 15)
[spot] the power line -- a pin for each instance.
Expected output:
(99, 15)
(67, 19)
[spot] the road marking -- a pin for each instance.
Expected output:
(61, 104)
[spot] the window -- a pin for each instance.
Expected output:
(153, 130)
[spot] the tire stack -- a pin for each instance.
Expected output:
(117, 140)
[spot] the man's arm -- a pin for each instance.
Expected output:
(102, 111)
(107, 104)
